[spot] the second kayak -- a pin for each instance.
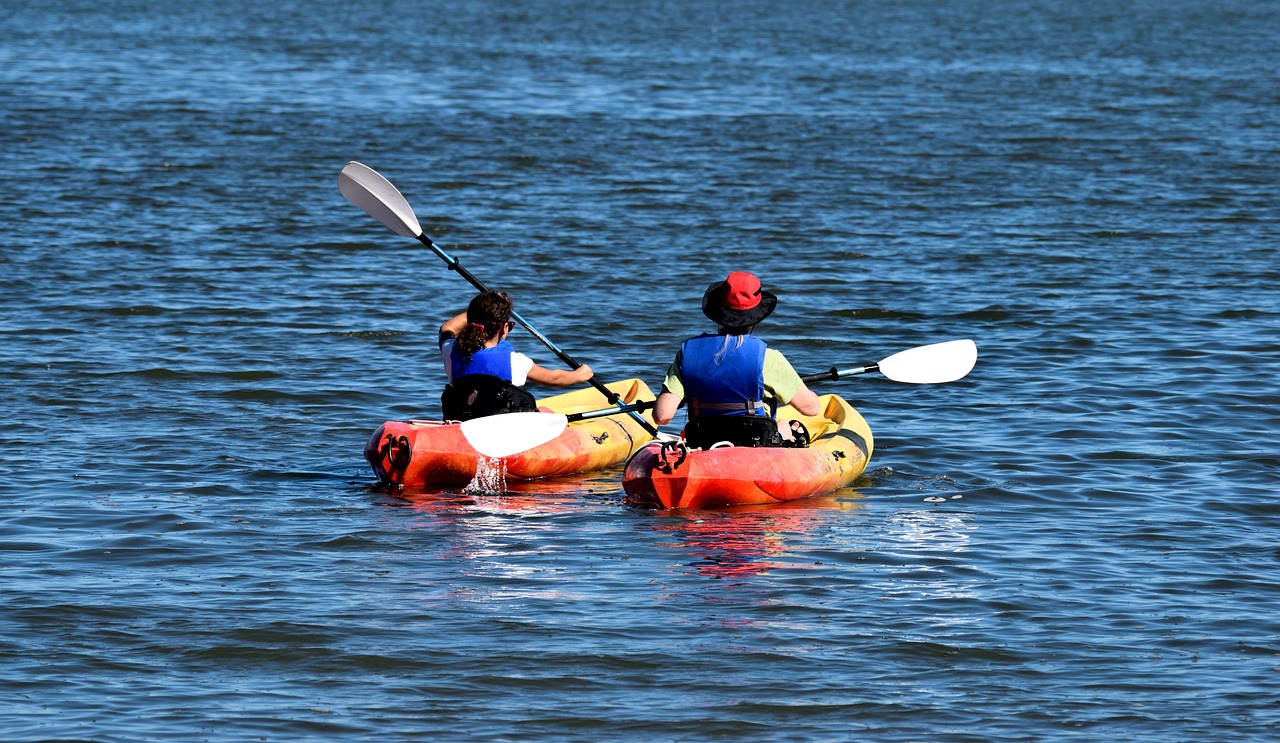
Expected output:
(418, 453)
(668, 475)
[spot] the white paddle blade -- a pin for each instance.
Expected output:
(935, 364)
(499, 436)
(367, 189)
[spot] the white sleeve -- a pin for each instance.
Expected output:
(520, 366)
(446, 350)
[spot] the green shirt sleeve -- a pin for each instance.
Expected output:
(673, 383)
(780, 379)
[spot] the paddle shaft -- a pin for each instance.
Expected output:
(609, 394)
(834, 374)
(634, 407)
(831, 375)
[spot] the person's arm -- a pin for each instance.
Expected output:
(558, 377)
(787, 385)
(805, 400)
(665, 407)
(672, 394)
(453, 326)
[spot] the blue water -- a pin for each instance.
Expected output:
(1079, 541)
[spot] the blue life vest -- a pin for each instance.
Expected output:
(733, 385)
(482, 386)
(494, 361)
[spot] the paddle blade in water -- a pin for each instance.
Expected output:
(367, 189)
(935, 364)
(500, 436)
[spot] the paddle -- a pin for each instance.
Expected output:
(932, 364)
(503, 435)
(367, 189)
(499, 436)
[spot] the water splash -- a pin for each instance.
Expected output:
(491, 476)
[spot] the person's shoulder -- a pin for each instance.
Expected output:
(774, 358)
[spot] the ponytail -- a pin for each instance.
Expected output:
(486, 315)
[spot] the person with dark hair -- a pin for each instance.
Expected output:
(485, 373)
(733, 381)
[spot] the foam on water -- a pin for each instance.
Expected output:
(491, 477)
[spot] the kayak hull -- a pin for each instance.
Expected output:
(840, 448)
(424, 453)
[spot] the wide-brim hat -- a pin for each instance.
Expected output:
(738, 301)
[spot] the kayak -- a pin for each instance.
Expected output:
(415, 453)
(669, 475)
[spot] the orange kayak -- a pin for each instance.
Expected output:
(416, 453)
(666, 475)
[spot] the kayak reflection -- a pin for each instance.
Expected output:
(749, 540)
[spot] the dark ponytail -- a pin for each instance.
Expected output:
(486, 315)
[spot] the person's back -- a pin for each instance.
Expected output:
(733, 382)
(486, 375)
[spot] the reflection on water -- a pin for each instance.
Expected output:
(458, 505)
(730, 542)
(488, 552)
(749, 540)
(928, 531)
(928, 564)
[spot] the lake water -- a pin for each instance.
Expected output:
(1079, 541)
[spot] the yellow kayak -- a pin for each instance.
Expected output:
(416, 453)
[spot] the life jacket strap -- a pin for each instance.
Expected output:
(752, 407)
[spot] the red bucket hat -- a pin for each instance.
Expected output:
(738, 301)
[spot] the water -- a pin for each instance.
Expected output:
(1077, 542)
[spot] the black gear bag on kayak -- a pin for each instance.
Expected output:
(740, 430)
(480, 395)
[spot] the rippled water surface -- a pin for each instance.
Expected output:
(198, 333)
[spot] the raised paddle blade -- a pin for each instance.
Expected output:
(499, 436)
(934, 364)
(364, 187)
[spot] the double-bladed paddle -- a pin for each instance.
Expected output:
(367, 189)
(933, 364)
(503, 435)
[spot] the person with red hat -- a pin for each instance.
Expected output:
(733, 382)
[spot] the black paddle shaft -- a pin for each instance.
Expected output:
(632, 408)
(835, 374)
